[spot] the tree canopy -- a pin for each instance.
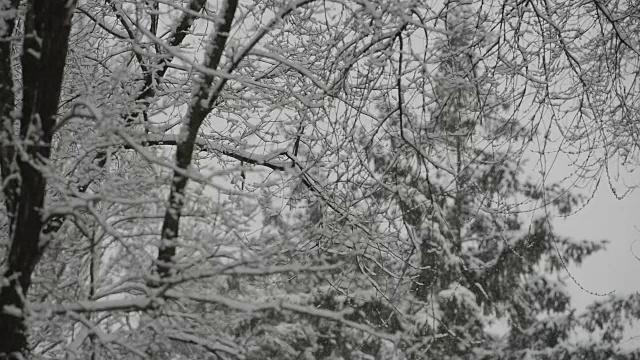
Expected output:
(282, 179)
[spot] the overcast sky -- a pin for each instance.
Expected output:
(617, 269)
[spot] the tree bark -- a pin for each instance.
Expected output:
(7, 107)
(47, 27)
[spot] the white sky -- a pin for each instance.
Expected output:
(616, 269)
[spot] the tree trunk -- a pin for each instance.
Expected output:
(184, 152)
(47, 27)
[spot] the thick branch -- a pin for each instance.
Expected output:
(206, 97)
(182, 27)
(198, 110)
(204, 145)
(614, 24)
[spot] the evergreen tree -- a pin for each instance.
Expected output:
(461, 236)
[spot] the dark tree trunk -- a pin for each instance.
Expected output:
(184, 152)
(7, 106)
(47, 27)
